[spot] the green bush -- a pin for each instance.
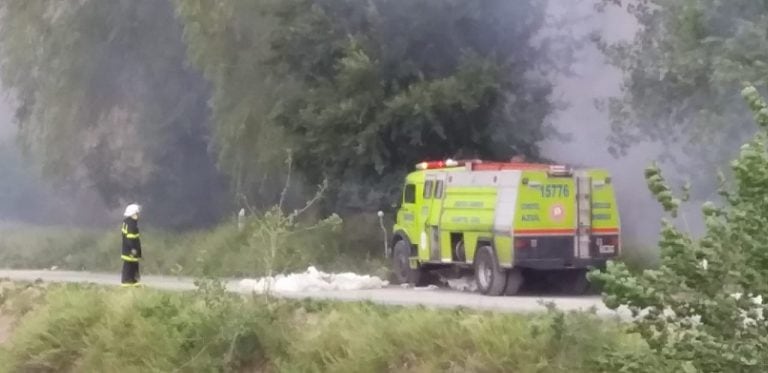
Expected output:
(702, 309)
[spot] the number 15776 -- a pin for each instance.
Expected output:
(555, 191)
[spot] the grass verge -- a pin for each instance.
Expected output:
(72, 328)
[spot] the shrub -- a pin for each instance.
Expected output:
(702, 310)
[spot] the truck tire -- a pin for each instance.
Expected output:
(490, 278)
(403, 273)
(515, 281)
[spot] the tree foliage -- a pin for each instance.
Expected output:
(363, 90)
(682, 72)
(702, 310)
(385, 84)
(105, 101)
(229, 42)
(360, 91)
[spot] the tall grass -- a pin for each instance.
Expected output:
(76, 328)
(219, 251)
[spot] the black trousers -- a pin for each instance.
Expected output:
(130, 272)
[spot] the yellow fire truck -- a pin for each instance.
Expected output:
(505, 221)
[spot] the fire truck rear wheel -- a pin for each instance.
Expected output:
(403, 273)
(490, 278)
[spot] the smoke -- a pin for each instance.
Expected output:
(7, 129)
(26, 198)
(589, 128)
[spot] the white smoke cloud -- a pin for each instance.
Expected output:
(589, 127)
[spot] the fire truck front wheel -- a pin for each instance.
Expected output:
(403, 273)
(490, 278)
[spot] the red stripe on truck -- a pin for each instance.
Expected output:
(545, 232)
(562, 232)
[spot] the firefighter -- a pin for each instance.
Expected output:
(131, 252)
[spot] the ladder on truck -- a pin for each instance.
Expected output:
(583, 215)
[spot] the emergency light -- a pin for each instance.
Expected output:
(430, 165)
(559, 170)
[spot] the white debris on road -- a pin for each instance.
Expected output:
(313, 280)
(465, 283)
(423, 288)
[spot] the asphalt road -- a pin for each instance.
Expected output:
(393, 295)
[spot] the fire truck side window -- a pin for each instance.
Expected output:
(439, 189)
(428, 189)
(409, 194)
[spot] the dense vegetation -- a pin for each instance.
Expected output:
(703, 309)
(73, 328)
(106, 100)
(142, 100)
(364, 90)
(682, 73)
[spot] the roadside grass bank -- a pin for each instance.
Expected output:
(223, 251)
(63, 328)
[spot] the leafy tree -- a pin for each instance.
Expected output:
(682, 72)
(229, 41)
(363, 90)
(105, 101)
(702, 310)
(386, 84)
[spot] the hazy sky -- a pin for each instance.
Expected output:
(7, 127)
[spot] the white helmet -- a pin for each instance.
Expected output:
(131, 210)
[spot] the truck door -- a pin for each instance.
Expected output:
(406, 213)
(435, 212)
(425, 219)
